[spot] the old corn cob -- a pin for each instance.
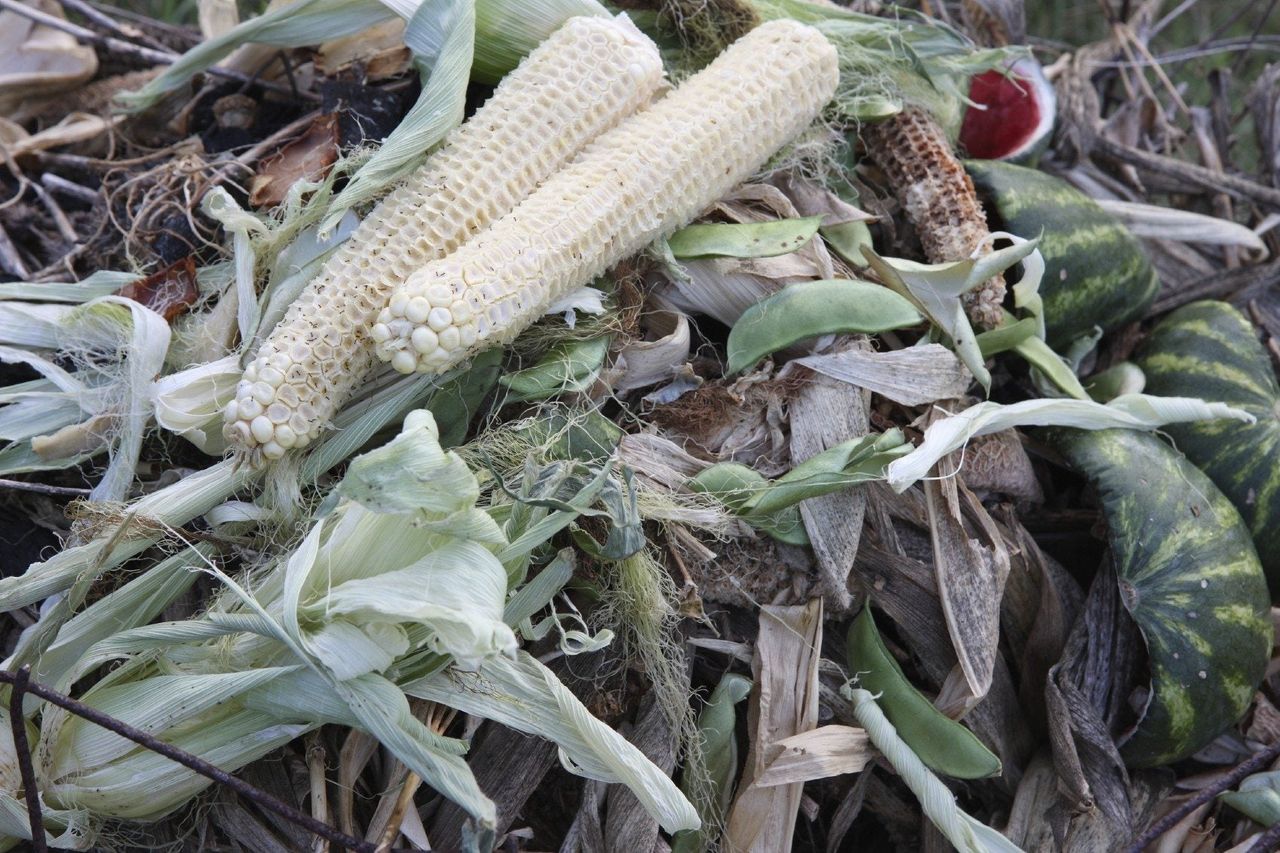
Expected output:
(938, 197)
(638, 182)
(589, 75)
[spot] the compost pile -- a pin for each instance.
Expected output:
(735, 425)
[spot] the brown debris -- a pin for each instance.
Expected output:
(307, 158)
(169, 292)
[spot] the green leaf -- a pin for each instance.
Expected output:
(568, 367)
(743, 240)
(848, 239)
(1258, 798)
(772, 506)
(737, 486)
(813, 308)
(716, 729)
(1040, 356)
(1006, 337)
(940, 742)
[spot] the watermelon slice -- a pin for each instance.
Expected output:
(1011, 117)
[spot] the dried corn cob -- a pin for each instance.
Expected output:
(583, 80)
(938, 197)
(650, 175)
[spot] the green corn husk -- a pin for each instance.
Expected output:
(399, 588)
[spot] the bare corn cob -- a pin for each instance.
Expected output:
(645, 178)
(589, 75)
(938, 197)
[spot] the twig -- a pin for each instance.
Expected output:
(10, 261)
(42, 489)
(1205, 178)
(1268, 841)
(1247, 768)
(259, 797)
(138, 52)
(30, 789)
(104, 20)
(189, 34)
(403, 801)
(1219, 285)
(71, 189)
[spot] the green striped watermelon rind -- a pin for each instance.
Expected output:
(1209, 350)
(1096, 273)
(1190, 578)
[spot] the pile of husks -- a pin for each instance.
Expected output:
(735, 425)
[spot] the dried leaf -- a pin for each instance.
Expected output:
(73, 128)
(306, 158)
(784, 703)
(971, 577)
(650, 362)
(913, 376)
(39, 60)
(1151, 220)
(168, 292)
(823, 414)
(818, 754)
(379, 51)
(999, 463)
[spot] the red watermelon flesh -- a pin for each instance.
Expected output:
(1018, 114)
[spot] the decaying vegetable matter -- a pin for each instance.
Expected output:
(683, 445)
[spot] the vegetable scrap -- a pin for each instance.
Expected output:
(752, 425)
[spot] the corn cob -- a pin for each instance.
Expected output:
(583, 80)
(650, 175)
(938, 198)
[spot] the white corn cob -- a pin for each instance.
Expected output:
(640, 181)
(583, 80)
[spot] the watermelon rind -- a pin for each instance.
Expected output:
(1096, 273)
(1190, 578)
(1209, 350)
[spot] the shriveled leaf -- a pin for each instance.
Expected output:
(912, 376)
(1131, 411)
(818, 754)
(784, 703)
(525, 695)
